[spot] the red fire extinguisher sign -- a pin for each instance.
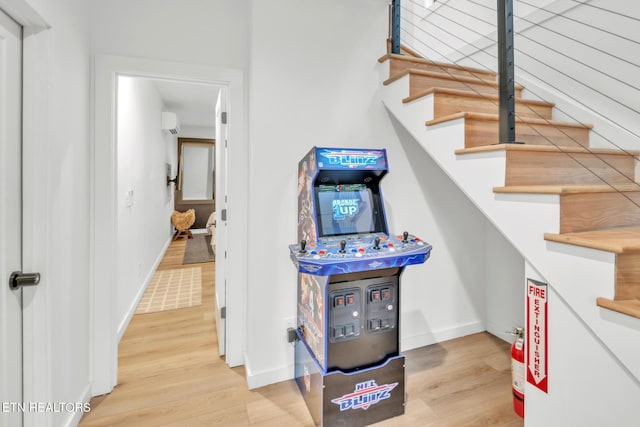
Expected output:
(536, 342)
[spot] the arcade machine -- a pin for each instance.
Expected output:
(347, 361)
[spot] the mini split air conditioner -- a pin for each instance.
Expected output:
(170, 123)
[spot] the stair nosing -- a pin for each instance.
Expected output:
(630, 307)
(396, 76)
(463, 79)
(564, 189)
(443, 76)
(536, 147)
(438, 64)
(496, 118)
(471, 94)
(588, 239)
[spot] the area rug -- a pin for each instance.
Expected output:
(198, 249)
(172, 289)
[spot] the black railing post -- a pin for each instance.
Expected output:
(506, 72)
(395, 26)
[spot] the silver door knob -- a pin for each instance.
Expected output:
(19, 279)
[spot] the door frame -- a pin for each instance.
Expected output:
(103, 221)
(221, 223)
(36, 328)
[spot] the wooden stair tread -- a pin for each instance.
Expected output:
(617, 240)
(549, 148)
(629, 307)
(567, 189)
(496, 118)
(408, 58)
(435, 74)
(471, 94)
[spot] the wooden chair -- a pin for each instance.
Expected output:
(182, 221)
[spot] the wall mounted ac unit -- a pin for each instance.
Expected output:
(170, 123)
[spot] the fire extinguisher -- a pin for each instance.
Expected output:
(518, 371)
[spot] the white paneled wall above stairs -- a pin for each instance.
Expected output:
(528, 191)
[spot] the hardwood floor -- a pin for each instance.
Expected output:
(170, 374)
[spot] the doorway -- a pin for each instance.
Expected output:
(107, 327)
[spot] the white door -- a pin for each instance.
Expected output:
(221, 219)
(10, 220)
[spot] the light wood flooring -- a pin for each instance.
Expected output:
(170, 374)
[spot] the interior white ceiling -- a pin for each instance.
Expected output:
(193, 103)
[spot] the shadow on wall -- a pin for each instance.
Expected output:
(456, 217)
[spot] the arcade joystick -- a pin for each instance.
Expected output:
(343, 244)
(303, 245)
(376, 243)
(405, 237)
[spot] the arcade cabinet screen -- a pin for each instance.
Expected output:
(345, 209)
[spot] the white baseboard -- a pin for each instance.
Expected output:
(284, 373)
(122, 327)
(503, 333)
(271, 376)
(74, 417)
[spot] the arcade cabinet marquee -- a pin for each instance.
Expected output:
(347, 361)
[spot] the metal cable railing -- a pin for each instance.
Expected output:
(450, 32)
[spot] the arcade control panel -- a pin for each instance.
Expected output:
(348, 309)
(355, 253)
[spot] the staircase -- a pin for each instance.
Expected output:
(571, 211)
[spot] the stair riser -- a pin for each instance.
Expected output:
(590, 211)
(548, 168)
(486, 132)
(419, 83)
(446, 104)
(628, 276)
(398, 65)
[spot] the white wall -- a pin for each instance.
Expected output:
(197, 132)
(504, 285)
(596, 75)
(311, 84)
(213, 32)
(444, 298)
(145, 202)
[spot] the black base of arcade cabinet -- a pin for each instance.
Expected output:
(350, 399)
